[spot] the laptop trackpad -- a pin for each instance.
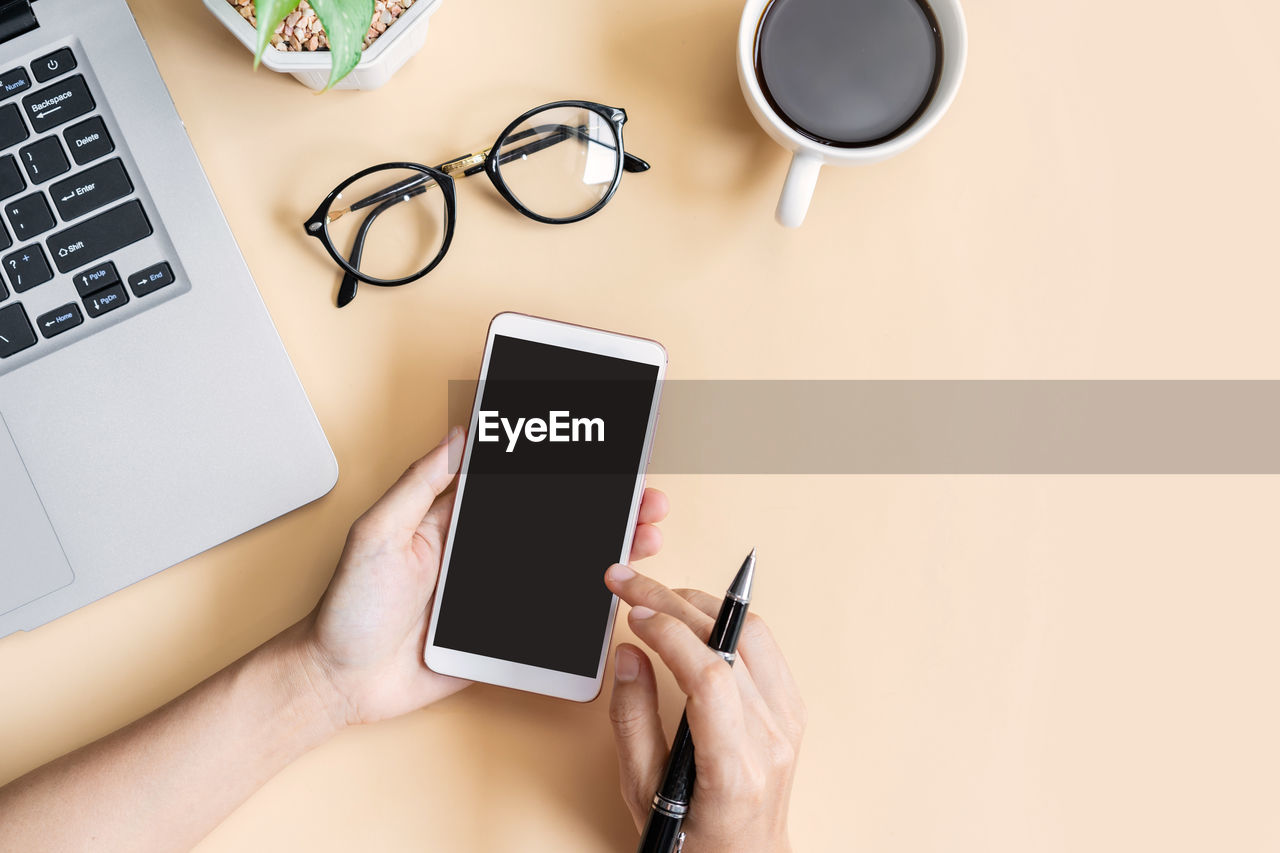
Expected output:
(32, 563)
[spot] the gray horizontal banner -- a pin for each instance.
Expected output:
(960, 426)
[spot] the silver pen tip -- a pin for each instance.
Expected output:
(741, 586)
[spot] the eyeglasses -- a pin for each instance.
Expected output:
(391, 224)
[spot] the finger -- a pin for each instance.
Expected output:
(764, 658)
(771, 735)
(639, 590)
(637, 729)
(703, 601)
(406, 503)
(436, 523)
(647, 541)
(714, 707)
(654, 506)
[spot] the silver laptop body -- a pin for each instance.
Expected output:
(148, 411)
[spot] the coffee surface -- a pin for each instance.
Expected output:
(848, 72)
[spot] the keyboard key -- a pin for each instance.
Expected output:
(57, 104)
(50, 66)
(44, 160)
(105, 300)
(151, 279)
(99, 235)
(12, 128)
(5, 240)
(15, 330)
(60, 320)
(29, 216)
(11, 182)
(91, 189)
(4, 292)
(26, 268)
(96, 278)
(88, 140)
(13, 81)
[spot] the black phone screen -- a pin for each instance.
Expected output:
(544, 511)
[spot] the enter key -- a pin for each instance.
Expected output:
(90, 189)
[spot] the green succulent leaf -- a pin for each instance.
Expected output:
(269, 14)
(345, 23)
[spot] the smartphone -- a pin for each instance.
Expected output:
(549, 487)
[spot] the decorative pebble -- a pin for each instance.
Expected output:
(301, 29)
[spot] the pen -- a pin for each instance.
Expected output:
(662, 833)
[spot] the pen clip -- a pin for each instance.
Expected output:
(680, 842)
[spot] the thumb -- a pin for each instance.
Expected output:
(642, 747)
(406, 503)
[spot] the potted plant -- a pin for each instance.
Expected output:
(329, 44)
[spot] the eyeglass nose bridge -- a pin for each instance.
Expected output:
(462, 166)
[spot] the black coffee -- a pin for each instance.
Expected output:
(850, 73)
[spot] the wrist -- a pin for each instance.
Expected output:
(316, 706)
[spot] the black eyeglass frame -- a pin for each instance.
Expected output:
(489, 161)
(318, 225)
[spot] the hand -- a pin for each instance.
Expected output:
(746, 721)
(362, 647)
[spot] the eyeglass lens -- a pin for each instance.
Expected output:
(389, 224)
(560, 162)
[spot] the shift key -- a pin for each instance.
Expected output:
(99, 235)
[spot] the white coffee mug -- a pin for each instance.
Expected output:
(810, 155)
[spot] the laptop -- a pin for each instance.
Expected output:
(148, 410)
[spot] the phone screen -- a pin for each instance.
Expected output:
(555, 455)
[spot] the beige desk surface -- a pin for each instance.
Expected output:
(1001, 664)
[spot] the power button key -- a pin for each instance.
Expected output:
(54, 64)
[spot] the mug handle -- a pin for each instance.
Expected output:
(797, 190)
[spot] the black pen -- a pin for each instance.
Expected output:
(662, 832)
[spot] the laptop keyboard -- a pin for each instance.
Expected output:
(70, 207)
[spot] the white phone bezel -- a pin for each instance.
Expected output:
(506, 673)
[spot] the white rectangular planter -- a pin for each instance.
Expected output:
(403, 38)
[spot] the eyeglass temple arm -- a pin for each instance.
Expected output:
(350, 284)
(419, 184)
(557, 133)
(408, 188)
